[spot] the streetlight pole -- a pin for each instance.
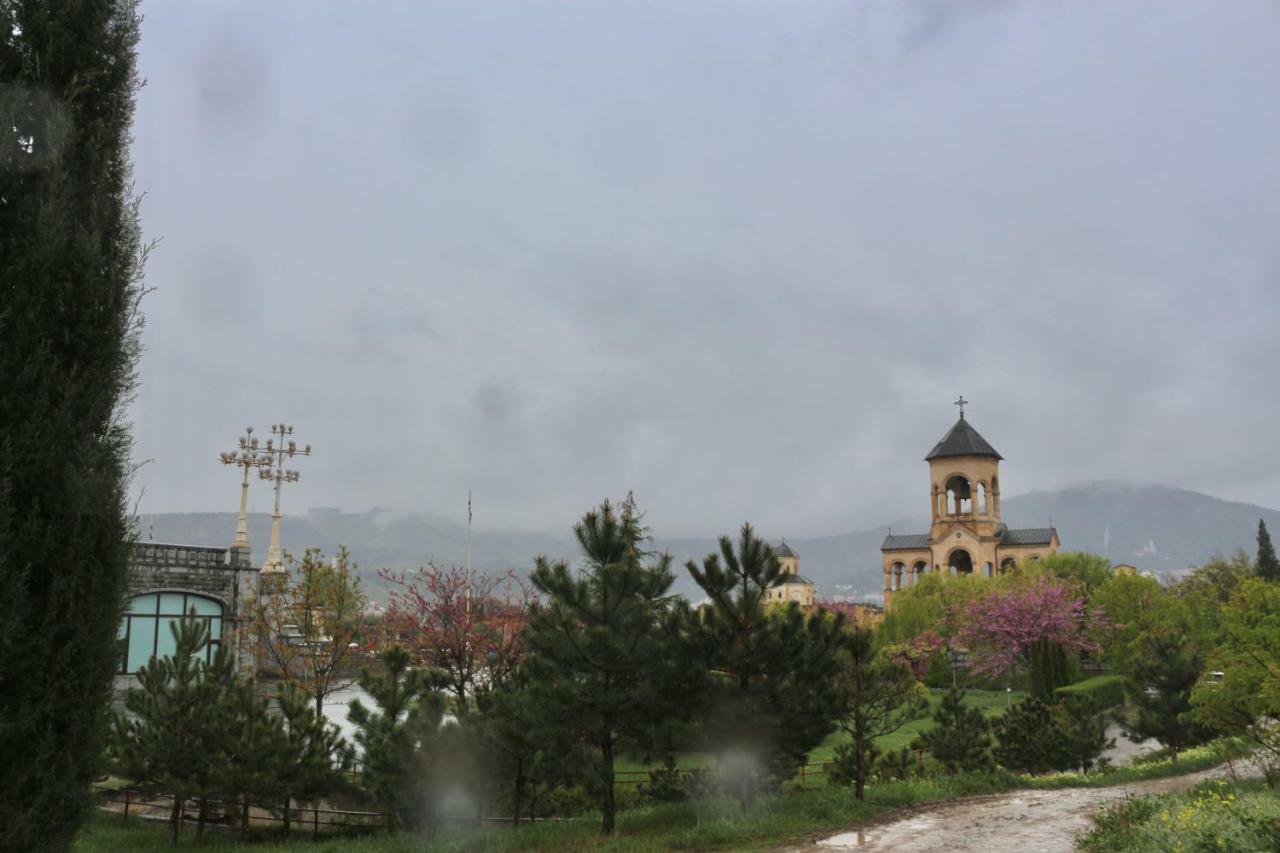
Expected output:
(281, 445)
(245, 457)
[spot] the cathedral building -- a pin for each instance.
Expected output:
(967, 535)
(791, 585)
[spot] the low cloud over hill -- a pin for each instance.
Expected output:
(1151, 527)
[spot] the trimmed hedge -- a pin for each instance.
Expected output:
(1106, 691)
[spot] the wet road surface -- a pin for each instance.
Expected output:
(1025, 821)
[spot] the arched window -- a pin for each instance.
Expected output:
(982, 498)
(1008, 564)
(960, 562)
(145, 631)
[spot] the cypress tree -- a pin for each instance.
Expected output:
(1048, 671)
(70, 263)
(1268, 566)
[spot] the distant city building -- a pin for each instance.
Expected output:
(967, 535)
(791, 586)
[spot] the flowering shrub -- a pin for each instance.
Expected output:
(1001, 629)
(469, 627)
(1212, 816)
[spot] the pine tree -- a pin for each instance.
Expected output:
(525, 745)
(398, 738)
(1268, 566)
(1084, 732)
(959, 740)
(70, 263)
(773, 696)
(877, 697)
(1164, 670)
(169, 742)
(254, 752)
(607, 651)
(1028, 739)
(314, 752)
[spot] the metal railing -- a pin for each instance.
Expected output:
(314, 817)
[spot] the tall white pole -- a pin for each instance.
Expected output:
(470, 578)
(242, 523)
(275, 563)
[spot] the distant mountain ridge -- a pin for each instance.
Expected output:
(1152, 527)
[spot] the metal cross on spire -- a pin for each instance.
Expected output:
(962, 402)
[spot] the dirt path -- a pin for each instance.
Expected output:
(1026, 821)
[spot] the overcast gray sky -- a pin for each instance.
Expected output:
(738, 257)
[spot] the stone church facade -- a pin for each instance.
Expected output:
(167, 582)
(967, 535)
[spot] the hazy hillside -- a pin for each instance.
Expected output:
(1152, 527)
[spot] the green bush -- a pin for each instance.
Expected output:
(1106, 691)
(1212, 816)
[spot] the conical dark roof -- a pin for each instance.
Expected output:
(783, 551)
(962, 440)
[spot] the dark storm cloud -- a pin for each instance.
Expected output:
(737, 257)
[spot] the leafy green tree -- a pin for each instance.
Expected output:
(1241, 692)
(1268, 566)
(70, 286)
(608, 651)
(960, 740)
(398, 737)
(1132, 605)
(1162, 674)
(303, 622)
(1028, 739)
(169, 742)
(1089, 571)
(877, 697)
(772, 696)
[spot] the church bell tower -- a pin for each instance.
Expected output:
(966, 534)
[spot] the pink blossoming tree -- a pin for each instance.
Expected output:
(1011, 628)
(471, 628)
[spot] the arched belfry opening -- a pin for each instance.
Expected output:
(959, 496)
(960, 562)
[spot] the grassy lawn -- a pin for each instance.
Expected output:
(794, 816)
(990, 702)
